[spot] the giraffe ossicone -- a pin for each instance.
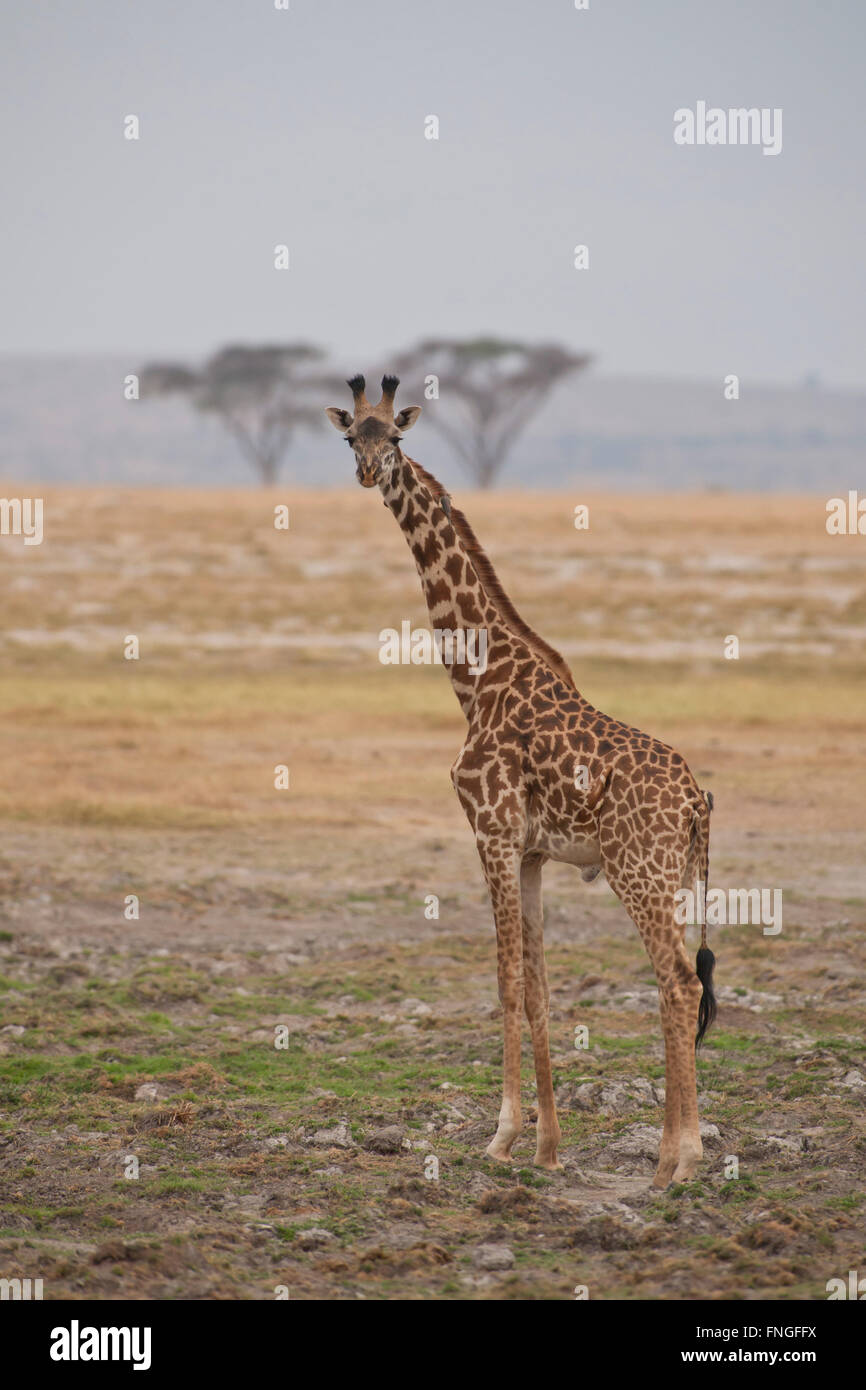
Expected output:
(639, 814)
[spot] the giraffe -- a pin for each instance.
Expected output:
(543, 775)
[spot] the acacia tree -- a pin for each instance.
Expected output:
(489, 389)
(261, 395)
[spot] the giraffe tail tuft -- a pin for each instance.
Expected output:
(705, 962)
(708, 1006)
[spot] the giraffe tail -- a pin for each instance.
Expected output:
(705, 962)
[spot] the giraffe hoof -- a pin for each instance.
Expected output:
(498, 1155)
(664, 1173)
(551, 1165)
(688, 1161)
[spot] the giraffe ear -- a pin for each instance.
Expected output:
(340, 419)
(406, 419)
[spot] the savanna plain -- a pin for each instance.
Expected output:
(156, 1143)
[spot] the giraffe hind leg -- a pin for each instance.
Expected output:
(679, 998)
(650, 902)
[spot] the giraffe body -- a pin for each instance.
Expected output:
(544, 775)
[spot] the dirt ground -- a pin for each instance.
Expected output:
(278, 1079)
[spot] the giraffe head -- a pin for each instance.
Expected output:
(373, 431)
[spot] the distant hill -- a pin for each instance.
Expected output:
(65, 420)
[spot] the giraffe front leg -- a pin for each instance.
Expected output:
(509, 1124)
(501, 871)
(548, 1134)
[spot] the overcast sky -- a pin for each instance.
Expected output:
(306, 128)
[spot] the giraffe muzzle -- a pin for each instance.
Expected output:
(369, 474)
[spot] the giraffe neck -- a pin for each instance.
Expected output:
(456, 600)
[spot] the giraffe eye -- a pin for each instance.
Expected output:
(395, 439)
(348, 440)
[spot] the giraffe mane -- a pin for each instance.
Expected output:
(491, 582)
